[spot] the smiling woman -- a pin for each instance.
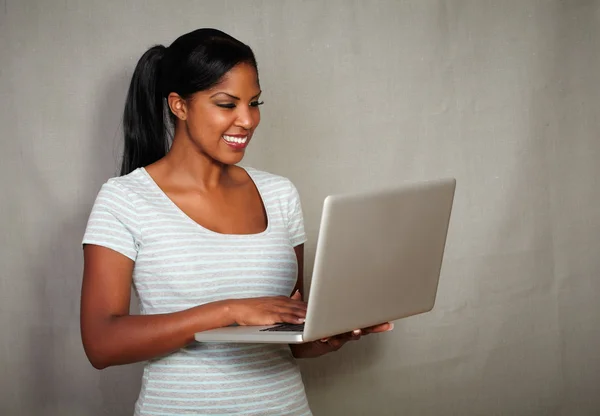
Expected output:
(205, 243)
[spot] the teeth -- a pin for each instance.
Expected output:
(239, 140)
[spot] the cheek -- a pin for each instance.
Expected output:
(209, 125)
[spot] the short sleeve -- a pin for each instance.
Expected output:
(295, 217)
(113, 222)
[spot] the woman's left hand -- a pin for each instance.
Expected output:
(336, 342)
(327, 345)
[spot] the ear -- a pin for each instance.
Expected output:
(177, 105)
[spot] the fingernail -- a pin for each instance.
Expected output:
(356, 332)
(325, 340)
(391, 326)
(301, 320)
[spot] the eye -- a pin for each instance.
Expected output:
(256, 103)
(227, 105)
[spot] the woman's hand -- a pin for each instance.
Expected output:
(336, 342)
(268, 310)
(327, 345)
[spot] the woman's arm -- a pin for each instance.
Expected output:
(112, 337)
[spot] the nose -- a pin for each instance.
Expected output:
(244, 118)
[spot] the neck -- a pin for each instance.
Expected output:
(191, 168)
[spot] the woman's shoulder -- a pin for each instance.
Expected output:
(261, 177)
(274, 187)
(129, 183)
(124, 190)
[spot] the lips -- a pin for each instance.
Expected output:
(237, 142)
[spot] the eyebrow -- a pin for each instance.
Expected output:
(233, 96)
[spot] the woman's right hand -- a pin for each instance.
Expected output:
(269, 310)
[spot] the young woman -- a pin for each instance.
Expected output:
(205, 243)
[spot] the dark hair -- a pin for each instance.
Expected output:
(194, 62)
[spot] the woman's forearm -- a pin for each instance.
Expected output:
(310, 349)
(133, 338)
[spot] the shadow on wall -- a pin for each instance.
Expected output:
(511, 318)
(65, 383)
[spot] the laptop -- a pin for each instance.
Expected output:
(378, 259)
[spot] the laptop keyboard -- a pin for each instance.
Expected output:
(286, 327)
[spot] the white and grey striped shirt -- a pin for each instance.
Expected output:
(179, 265)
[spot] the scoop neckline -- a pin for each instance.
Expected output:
(200, 226)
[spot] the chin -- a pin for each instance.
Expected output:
(232, 159)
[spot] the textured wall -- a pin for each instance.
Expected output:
(502, 95)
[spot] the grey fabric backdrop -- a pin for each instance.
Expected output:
(503, 95)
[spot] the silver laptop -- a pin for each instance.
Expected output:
(378, 259)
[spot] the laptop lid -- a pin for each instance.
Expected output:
(378, 257)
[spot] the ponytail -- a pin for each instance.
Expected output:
(144, 124)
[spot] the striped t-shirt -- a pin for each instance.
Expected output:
(179, 265)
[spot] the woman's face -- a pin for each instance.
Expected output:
(221, 120)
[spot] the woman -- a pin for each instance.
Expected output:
(205, 243)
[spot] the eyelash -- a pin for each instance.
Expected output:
(232, 106)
